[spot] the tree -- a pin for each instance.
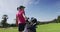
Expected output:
(55, 21)
(58, 19)
(4, 21)
(13, 25)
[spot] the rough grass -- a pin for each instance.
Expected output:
(52, 27)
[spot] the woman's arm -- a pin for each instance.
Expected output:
(24, 16)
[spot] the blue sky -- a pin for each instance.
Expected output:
(43, 10)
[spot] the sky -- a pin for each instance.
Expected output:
(43, 10)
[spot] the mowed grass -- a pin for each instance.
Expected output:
(9, 29)
(52, 27)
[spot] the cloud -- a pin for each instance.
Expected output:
(58, 12)
(26, 2)
(36, 2)
(9, 7)
(29, 2)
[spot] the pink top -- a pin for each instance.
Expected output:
(20, 17)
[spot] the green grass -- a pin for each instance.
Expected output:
(52, 27)
(8, 30)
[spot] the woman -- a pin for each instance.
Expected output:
(20, 18)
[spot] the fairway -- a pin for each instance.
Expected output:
(52, 27)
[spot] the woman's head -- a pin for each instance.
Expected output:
(21, 7)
